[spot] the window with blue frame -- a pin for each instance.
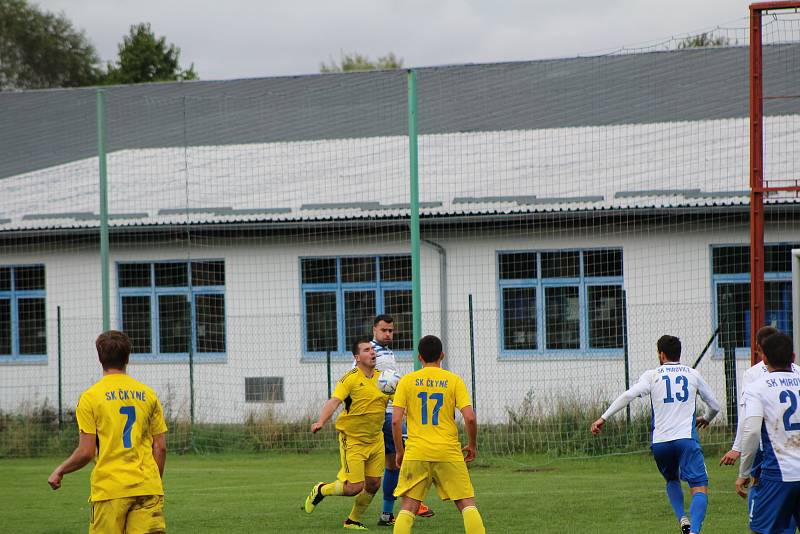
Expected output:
(23, 322)
(342, 295)
(565, 300)
(169, 308)
(731, 281)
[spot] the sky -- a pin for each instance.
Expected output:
(255, 38)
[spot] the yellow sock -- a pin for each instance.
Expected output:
(473, 523)
(403, 522)
(361, 503)
(334, 488)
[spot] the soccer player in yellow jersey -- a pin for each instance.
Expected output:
(360, 427)
(121, 422)
(428, 399)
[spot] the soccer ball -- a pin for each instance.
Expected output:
(388, 380)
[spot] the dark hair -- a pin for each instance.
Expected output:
(383, 317)
(778, 350)
(671, 346)
(357, 343)
(113, 349)
(764, 332)
(430, 348)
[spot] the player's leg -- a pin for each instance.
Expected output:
(390, 474)
(668, 463)
(109, 516)
(693, 471)
(773, 506)
(453, 483)
(146, 516)
(373, 465)
(405, 517)
(415, 481)
(348, 482)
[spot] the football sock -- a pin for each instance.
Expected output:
(390, 478)
(403, 523)
(675, 496)
(473, 523)
(697, 511)
(361, 503)
(334, 488)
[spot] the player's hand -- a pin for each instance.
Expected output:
(316, 427)
(398, 458)
(741, 486)
(597, 426)
(55, 480)
(470, 451)
(701, 422)
(730, 457)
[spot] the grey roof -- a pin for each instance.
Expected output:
(691, 164)
(41, 129)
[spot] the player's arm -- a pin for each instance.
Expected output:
(751, 431)
(326, 413)
(639, 389)
(82, 455)
(398, 412)
(160, 451)
(712, 406)
(471, 426)
(732, 455)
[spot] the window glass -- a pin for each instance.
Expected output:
(359, 312)
(173, 323)
(561, 265)
(5, 278)
(5, 326)
(395, 268)
(210, 316)
(134, 274)
(602, 263)
(29, 278)
(605, 317)
(518, 265)
(172, 275)
(731, 260)
(208, 273)
(318, 270)
(562, 316)
(397, 303)
(778, 305)
(321, 321)
(778, 258)
(136, 323)
(32, 326)
(519, 318)
(356, 270)
(733, 314)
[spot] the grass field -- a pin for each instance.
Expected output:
(263, 493)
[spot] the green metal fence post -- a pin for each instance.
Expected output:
(328, 362)
(101, 157)
(416, 296)
(60, 383)
(472, 350)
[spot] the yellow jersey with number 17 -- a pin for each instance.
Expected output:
(430, 397)
(124, 414)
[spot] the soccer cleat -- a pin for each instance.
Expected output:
(314, 498)
(424, 511)
(686, 526)
(354, 525)
(386, 519)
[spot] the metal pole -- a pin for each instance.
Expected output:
(328, 361)
(416, 296)
(731, 395)
(101, 157)
(60, 383)
(472, 349)
(625, 351)
(756, 184)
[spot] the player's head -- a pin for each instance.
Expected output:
(363, 352)
(383, 329)
(763, 333)
(670, 348)
(113, 349)
(430, 349)
(778, 351)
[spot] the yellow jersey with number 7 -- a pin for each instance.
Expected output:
(124, 414)
(430, 397)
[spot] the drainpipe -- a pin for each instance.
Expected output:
(442, 292)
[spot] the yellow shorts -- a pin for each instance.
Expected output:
(360, 460)
(450, 478)
(128, 515)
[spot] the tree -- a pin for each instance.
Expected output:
(40, 50)
(144, 58)
(704, 40)
(356, 62)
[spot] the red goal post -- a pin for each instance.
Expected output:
(757, 185)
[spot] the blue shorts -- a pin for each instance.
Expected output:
(774, 507)
(681, 459)
(388, 441)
